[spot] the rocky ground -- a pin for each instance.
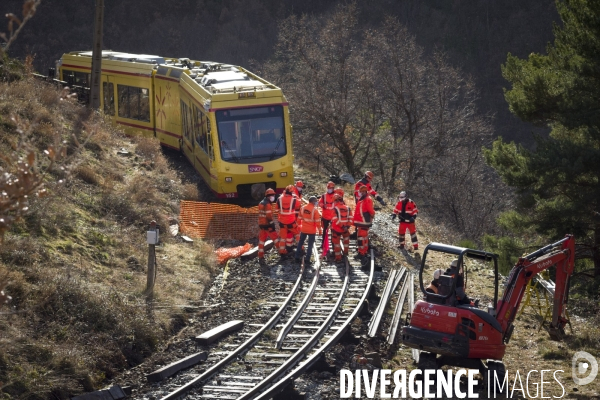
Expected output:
(234, 295)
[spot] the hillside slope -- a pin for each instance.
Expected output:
(76, 263)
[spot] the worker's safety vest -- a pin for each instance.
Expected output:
(364, 213)
(326, 204)
(406, 210)
(341, 218)
(359, 184)
(311, 217)
(287, 205)
(265, 213)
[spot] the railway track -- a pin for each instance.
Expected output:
(302, 321)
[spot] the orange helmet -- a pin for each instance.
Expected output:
(338, 194)
(330, 185)
(270, 192)
(289, 188)
(369, 175)
(300, 184)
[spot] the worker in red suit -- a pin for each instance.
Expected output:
(363, 219)
(265, 223)
(340, 225)
(366, 181)
(407, 211)
(288, 206)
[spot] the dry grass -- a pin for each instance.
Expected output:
(87, 174)
(190, 192)
(76, 263)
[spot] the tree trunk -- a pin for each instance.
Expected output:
(596, 251)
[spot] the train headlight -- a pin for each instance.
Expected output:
(283, 174)
(228, 179)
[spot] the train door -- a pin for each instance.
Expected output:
(201, 150)
(187, 130)
(213, 161)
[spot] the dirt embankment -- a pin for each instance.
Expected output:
(76, 263)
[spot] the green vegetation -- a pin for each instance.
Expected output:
(557, 185)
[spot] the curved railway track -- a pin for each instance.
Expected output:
(307, 321)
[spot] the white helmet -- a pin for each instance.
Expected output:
(437, 274)
(454, 264)
(402, 195)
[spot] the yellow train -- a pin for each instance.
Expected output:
(232, 125)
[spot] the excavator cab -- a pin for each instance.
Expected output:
(450, 287)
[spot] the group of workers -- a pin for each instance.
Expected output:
(328, 213)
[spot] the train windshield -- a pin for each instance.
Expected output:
(254, 134)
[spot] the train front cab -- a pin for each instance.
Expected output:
(237, 142)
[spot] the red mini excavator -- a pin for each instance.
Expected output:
(464, 335)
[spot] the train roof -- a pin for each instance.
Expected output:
(214, 78)
(119, 56)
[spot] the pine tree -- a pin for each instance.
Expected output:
(558, 183)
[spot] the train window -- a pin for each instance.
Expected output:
(255, 134)
(162, 71)
(175, 73)
(76, 78)
(200, 129)
(108, 91)
(134, 102)
(186, 121)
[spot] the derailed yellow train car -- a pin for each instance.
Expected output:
(232, 125)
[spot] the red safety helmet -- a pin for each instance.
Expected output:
(300, 184)
(338, 194)
(330, 185)
(270, 192)
(369, 175)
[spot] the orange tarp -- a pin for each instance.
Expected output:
(224, 254)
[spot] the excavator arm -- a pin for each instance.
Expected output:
(561, 254)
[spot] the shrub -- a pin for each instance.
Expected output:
(148, 148)
(87, 174)
(190, 192)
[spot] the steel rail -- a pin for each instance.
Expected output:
(300, 309)
(337, 335)
(182, 390)
(411, 306)
(293, 360)
(397, 313)
(393, 280)
(388, 285)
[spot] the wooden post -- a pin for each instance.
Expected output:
(96, 75)
(152, 239)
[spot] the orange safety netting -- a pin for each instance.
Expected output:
(224, 254)
(224, 221)
(218, 221)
